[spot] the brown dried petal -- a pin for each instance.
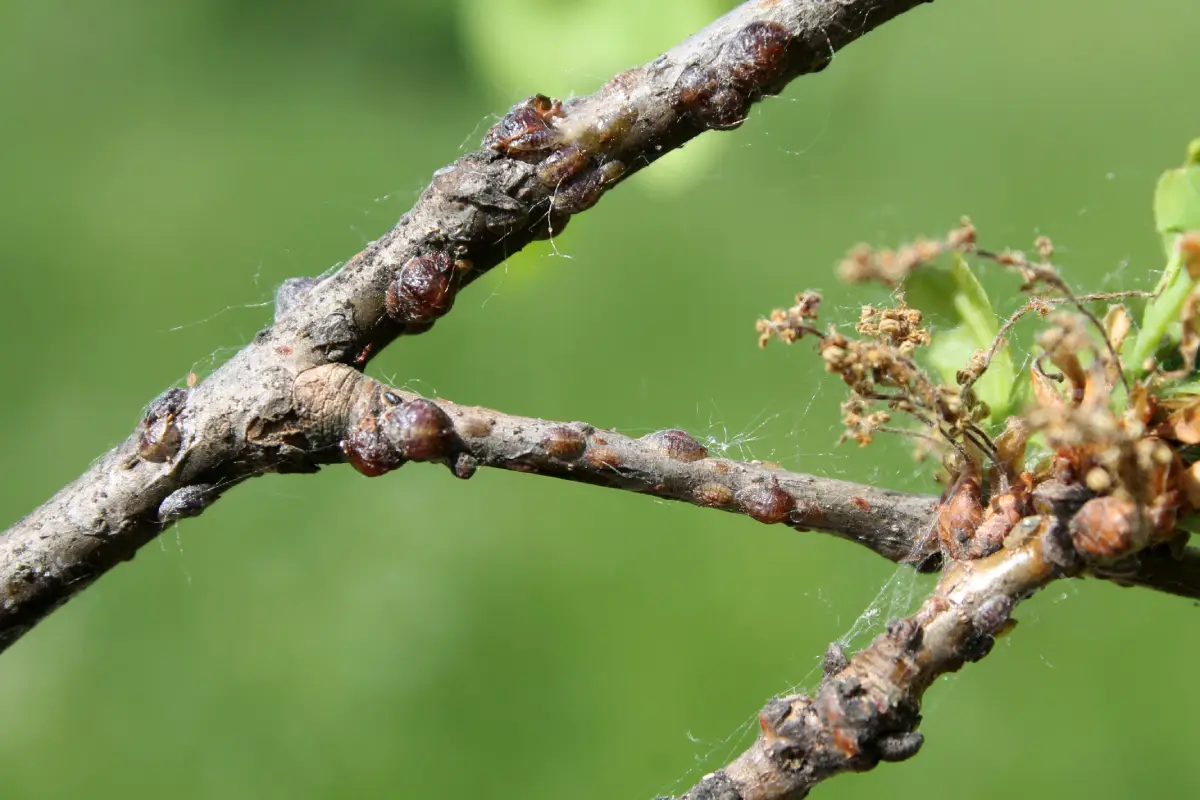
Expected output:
(1183, 425)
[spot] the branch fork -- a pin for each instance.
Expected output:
(295, 399)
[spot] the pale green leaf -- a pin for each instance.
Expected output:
(957, 293)
(1176, 210)
(1177, 200)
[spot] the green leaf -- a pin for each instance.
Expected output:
(949, 351)
(931, 289)
(977, 327)
(1177, 201)
(1190, 386)
(1189, 523)
(1176, 210)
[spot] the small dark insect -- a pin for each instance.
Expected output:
(362, 357)
(423, 289)
(465, 466)
(186, 501)
(899, 746)
(159, 436)
(835, 659)
(526, 128)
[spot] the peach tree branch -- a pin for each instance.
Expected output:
(539, 165)
(378, 428)
(867, 708)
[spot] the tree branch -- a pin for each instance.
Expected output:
(867, 710)
(378, 428)
(540, 164)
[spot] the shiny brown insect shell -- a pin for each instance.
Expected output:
(423, 289)
(765, 502)
(960, 513)
(1108, 527)
(526, 127)
(425, 431)
(757, 54)
(677, 445)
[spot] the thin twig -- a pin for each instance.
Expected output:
(380, 428)
(867, 710)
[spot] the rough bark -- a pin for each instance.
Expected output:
(866, 709)
(295, 399)
(380, 428)
(539, 165)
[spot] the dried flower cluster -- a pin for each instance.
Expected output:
(890, 267)
(881, 371)
(1107, 459)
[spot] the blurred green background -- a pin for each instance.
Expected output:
(166, 165)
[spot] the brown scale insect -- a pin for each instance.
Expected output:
(700, 96)
(465, 466)
(714, 494)
(586, 146)
(1109, 527)
(718, 96)
(476, 426)
(693, 87)
(562, 165)
(808, 514)
(1003, 513)
(368, 450)
(526, 128)
(677, 445)
(563, 443)
(756, 55)
(423, 289)
(961, 512)
(425, 432)
(765, 502)
(604, 457)
(587, 189)
(159, 437)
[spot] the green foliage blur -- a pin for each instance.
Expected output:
(167, 164)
